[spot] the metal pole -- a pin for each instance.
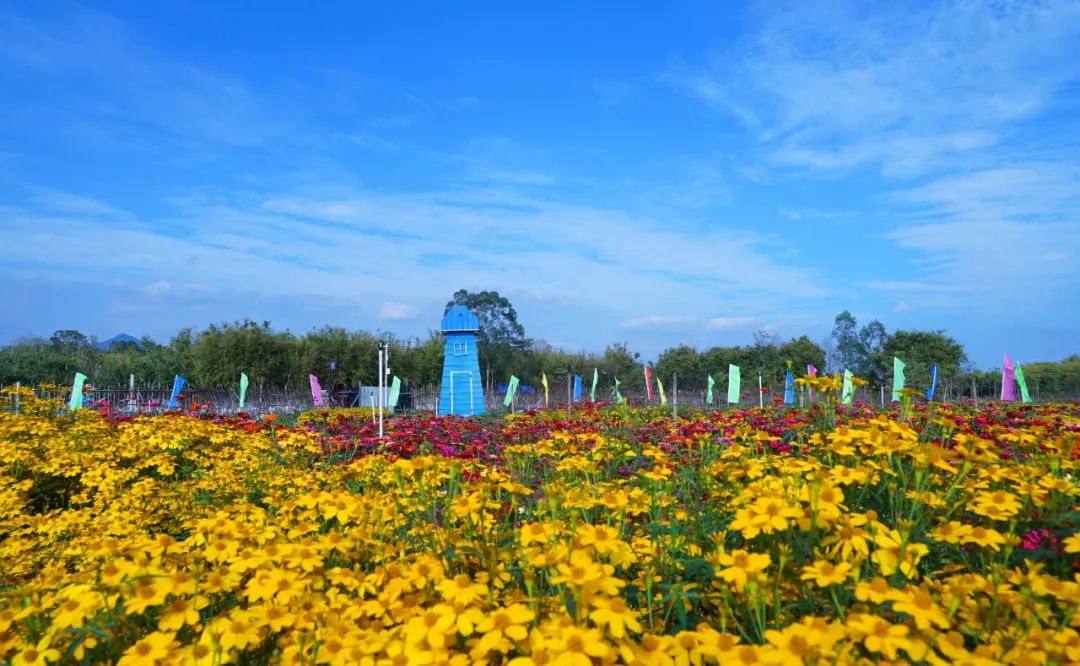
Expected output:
(760, 396)
(569, 394)
(18, 385)
(883, 396)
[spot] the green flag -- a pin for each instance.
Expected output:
(848, 393)
(708, 396)
(395, 391)
(1024, 395)
(897, 378)
(618, 396)
(511, 389)
(733, 382)
(543, 382)
(76, 392)
(592, 392)
(243, 390)
(660, 385)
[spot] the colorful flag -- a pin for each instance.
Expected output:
(709, 396)
(812, 372)
(897, 378)
(1024, 395)
(592, 391)
(618, 396)
(511, 389)
(848, 391)
(660, 385)
(1008, 381)
(933, 383)
(577, 388)
(178, 385)
(76, 392)
(733, 383)
(316, 390)
(243, 390)
(543, 382)
(395, 392)
(789, 388)
(648, 382)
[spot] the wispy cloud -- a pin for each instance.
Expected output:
(391, 311)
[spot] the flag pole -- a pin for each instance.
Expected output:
(675, 397)
(760, 395)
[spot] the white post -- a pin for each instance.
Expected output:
(382, 380)
(882, 396)
(760, 396)
(569, 391)
(974, 393)
(372, 410)
(18, 385)
(675, 398)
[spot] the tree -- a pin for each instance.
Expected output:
(500, 335)
(921, 349)
(683, 361)
(848, 349)
(803, 351)
(859, 350)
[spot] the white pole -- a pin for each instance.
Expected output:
(883, 396)
(382, 362)
(372, 410)
(569, 394)
(675, 397)
(760, 396)
(18, 385)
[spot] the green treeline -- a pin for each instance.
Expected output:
(215, 357)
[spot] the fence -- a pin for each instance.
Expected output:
(284, 401)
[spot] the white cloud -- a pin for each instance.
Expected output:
(901, 306)
(658, 322)
(728, 323)
(391, 311)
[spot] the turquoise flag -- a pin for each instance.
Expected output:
(1023, 384)
(733, 382)
(849, 389)
(511, 389)
(76, 392)
(395, 391)
(618, 396)
(243, 390)
(897, 378)
(592, 392)
(709, 396)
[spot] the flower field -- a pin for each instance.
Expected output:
(941, 534)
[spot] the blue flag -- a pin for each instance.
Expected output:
(789, 388)
(178, 385)
(577, 388)
(933, 383)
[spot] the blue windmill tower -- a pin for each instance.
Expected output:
(462, 391)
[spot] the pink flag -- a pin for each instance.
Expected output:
(316, 391)
(1008, 381)
(812, 371)
(648, 382)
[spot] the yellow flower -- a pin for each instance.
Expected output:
(431, 625)
(615, 615)
(984, 536)
(499, 626)
(150, 649)
(825, 573)
(180, 612)
(875, 590)
(878, 635)
(996, 505)
(461, 589)
(740, 565)
(148, 591)
(39, 654)
(1072, 544)
(574, 646)
(919, 605)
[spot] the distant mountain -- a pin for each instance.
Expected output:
(118, 339)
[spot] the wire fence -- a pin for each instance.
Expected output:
(287, 400)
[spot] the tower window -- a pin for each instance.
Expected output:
(461, 349)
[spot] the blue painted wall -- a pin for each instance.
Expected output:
(462, 391)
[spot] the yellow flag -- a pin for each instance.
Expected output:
(543, 380)
(660, 385)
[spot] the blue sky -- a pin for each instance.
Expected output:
(650, 173)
